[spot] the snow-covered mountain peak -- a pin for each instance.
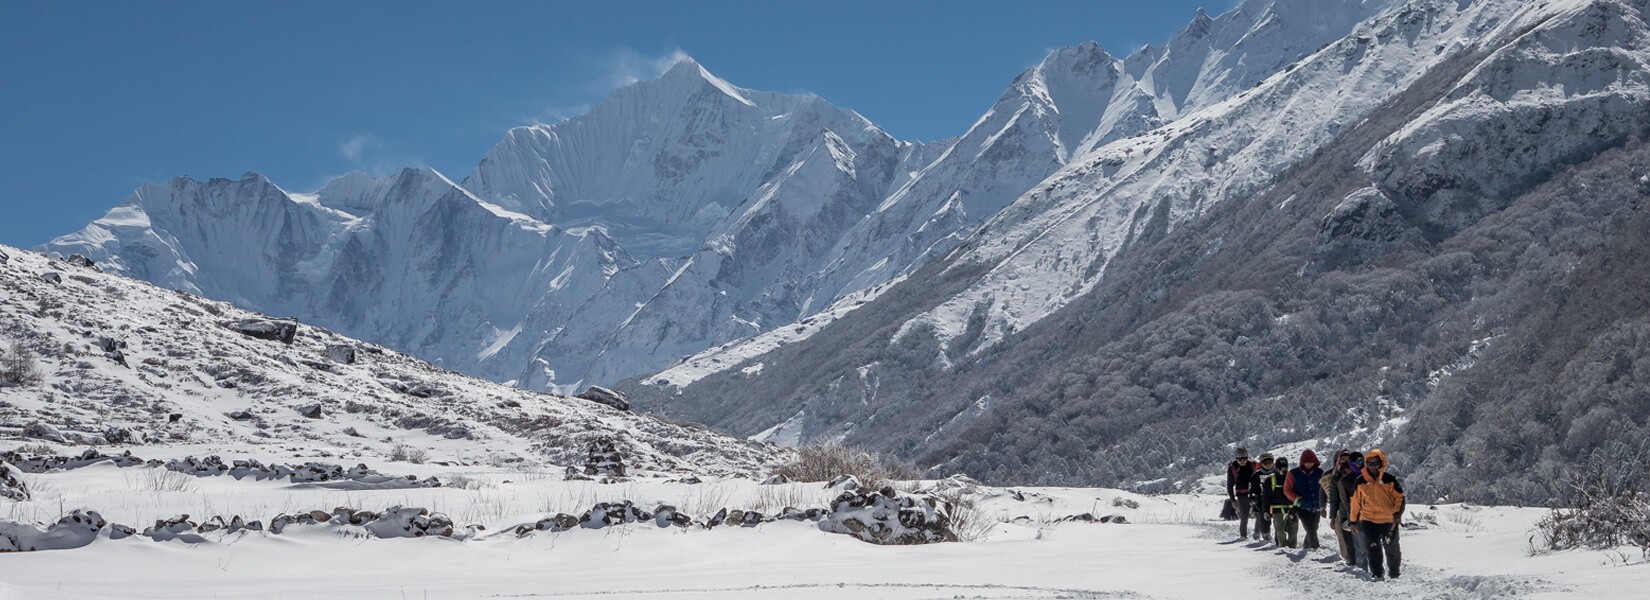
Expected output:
(688, 72)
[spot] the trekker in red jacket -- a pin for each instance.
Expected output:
(1239, 473)
(1302, 487)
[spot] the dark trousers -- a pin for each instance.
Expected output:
(1284, 525)
(1381, 541)
(1263, 521)
(1349, 549)
(1309, 523)
(1245, 506)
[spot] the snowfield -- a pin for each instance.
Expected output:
(1170, 546)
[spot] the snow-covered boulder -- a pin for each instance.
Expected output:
(343, 354)
(605, 514)
(890, 517)
(844, 482)
(666, 515)
(74, 530)
(80, 261)
(43, 431)
(265, 329)
(400, 521)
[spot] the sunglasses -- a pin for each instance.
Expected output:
(1358, 461)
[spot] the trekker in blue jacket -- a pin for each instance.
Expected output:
(1302, 487)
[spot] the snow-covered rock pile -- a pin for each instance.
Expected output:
(309, 472)
(604, 459)
(1090, 518)
(183, 377)
(403, 522)
(182, 529)
(891, 517)
(885, 517)
(47, 463)
(211, 466)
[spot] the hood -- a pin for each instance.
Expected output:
(1308, 456)
(1372, 474)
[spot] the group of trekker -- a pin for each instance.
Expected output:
(1363, 501)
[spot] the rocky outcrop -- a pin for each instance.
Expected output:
(601, 395)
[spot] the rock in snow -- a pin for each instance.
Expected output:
(265, 329)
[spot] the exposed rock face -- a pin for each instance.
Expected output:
(282, 331)
(80, 261)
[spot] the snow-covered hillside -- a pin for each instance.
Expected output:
(117, 361)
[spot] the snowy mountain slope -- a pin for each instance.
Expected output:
(1076, 99)
(1173, 311)
(122, 361)
(1052, 245)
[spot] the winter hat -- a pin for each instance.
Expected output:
(1308, 456)
(1242, 453)
(1265, 456)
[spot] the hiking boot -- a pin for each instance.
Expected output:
(1377, 578)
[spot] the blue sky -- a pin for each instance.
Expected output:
(99, 97)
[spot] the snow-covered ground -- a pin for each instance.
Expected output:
(1171, 547)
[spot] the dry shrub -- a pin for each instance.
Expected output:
(18, 366)
(401, 452)
(825, 462)
(1610, 507)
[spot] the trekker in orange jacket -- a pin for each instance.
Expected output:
(1378, 508)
